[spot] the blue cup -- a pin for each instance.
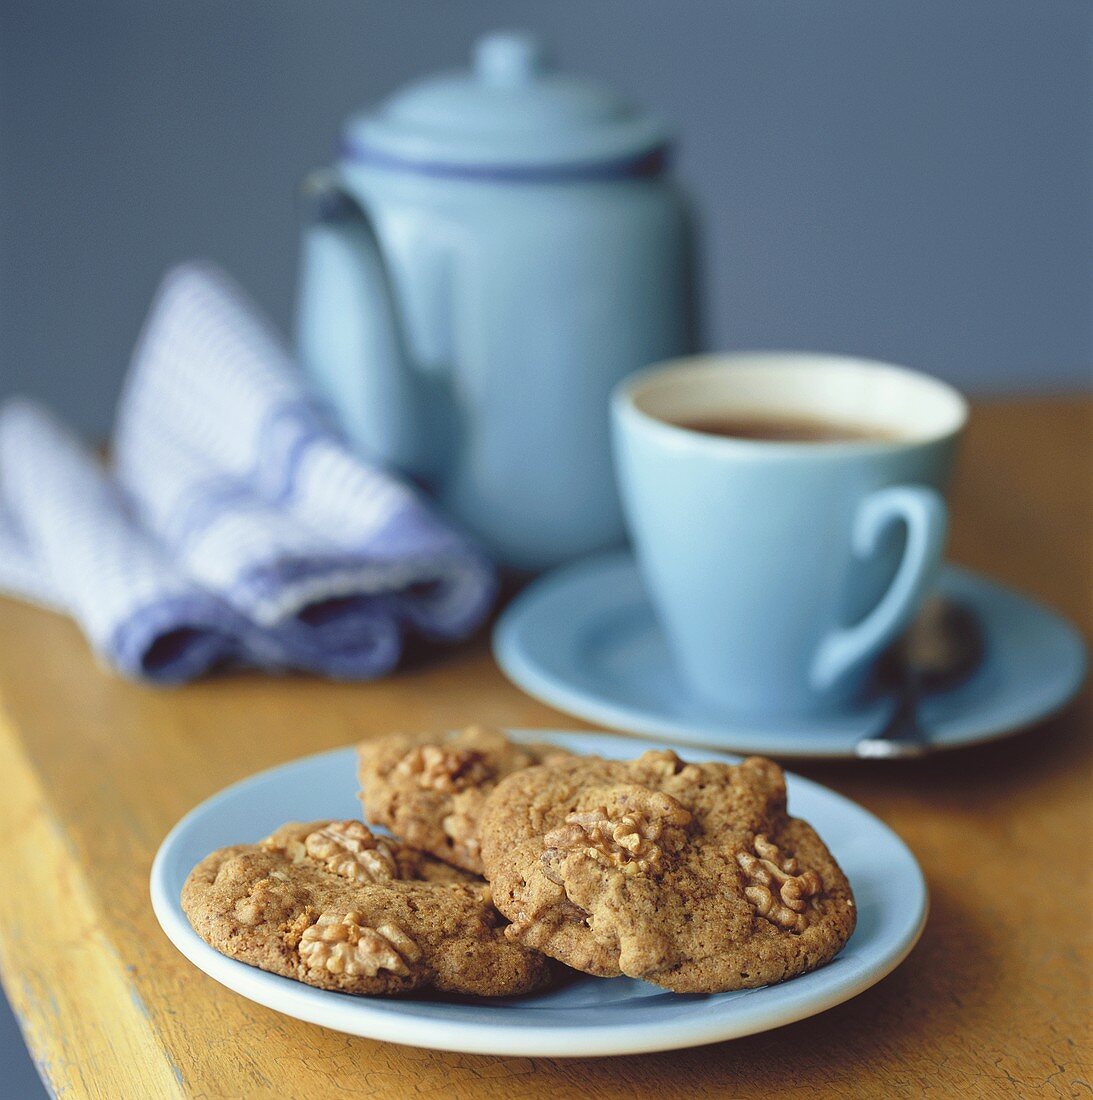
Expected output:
(780, 569)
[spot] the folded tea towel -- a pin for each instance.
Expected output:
(230, 471)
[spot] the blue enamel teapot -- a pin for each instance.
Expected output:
(492, 252)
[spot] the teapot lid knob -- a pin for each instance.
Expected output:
(507, 58)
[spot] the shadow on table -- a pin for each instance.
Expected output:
(969, 778)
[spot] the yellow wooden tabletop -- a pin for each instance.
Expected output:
(995, 1000)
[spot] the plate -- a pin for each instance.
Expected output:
(584, 639)
(585, 1016)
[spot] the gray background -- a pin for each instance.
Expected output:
(908, 179)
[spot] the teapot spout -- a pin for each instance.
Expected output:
(348, 331)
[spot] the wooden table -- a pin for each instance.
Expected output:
(995, 1000)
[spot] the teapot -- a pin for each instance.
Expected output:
(492, 252)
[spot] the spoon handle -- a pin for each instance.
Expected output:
(901, 737)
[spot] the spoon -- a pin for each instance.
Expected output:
(941, 647)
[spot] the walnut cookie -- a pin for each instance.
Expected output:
(691, 876)
(333, 905)
(430, 790)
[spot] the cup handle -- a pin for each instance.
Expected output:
(926, 517)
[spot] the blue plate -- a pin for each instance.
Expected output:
(585, 640)
(586, 1016)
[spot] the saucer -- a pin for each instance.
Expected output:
(583, 1016)
(584, 639)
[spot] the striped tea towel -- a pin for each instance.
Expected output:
(229, 468)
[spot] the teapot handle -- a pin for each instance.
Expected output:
(348, 333)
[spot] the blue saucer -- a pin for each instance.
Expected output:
(583, 1016)
(584, 639)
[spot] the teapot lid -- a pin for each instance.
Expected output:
(510, 117)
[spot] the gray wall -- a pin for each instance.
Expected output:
(902, 178)
(908, 179)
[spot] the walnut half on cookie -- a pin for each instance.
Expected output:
(310, 903)
(429, 790)
(691, 876)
